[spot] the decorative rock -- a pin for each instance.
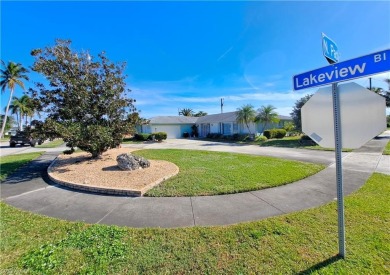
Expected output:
(131, 162)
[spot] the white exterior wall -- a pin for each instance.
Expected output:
(173, 131)
(244, 130)
(214, 128)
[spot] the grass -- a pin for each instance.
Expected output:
(212, 173)
(304, 242)
(12, 162)
(294, 142)
(131, 141)
(51, 144)
(386, 151)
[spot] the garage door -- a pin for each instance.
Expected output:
(172, 131)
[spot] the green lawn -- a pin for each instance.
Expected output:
(211, 173)
(13, 162)
(386, 151)
(294, 142)
(304, 242)
(131, 141)
(51, 144)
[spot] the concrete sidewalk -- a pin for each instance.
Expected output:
(31, 190)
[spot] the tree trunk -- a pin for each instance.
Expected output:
(247, 126)
(6, 113)
(20, 121)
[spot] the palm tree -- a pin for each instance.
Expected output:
(200, 113)
(14, 109)
(23, 107)
(11, 75)
(186, 112)
(267, 115)
(245, 115)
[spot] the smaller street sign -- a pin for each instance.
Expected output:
(329, 49)
(350, 69)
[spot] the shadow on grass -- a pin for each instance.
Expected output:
(22, 171)
(288, 143)
(321, 265)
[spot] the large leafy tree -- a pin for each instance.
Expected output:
(267, 115)
(296, 112)
(245, 115)
(85, 100)
(12, 74)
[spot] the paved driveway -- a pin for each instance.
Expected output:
(31, 190)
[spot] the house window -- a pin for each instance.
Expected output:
(227, 128)
(205, 129)
(235, 128)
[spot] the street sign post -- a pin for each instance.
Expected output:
(347, 70)
(354, 68)
(330, 49)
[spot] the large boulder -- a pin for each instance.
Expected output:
(131, 162)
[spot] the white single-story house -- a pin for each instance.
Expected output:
(224, 123)
(174, 126)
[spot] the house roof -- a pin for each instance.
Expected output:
(173, 120)
(216, 118)
(224, 117)
(227, 117)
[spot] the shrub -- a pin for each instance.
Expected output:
(305, 137)
(306, 140)
(160, 136)
(261, 138)
(274, 133)
(279, 133)
(142, 136)
(68, 152)
(267, 134)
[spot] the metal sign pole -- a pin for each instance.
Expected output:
(339, 169)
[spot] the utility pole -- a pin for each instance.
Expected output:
(221, 105)
(370, 86)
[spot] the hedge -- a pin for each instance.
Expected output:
(275, 133)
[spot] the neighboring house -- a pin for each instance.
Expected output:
(174, 126)
(224, 123)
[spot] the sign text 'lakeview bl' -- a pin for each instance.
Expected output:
(350, 69)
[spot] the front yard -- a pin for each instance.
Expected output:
(213, 173)
(304, 242)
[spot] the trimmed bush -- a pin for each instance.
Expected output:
(261, 138)
(160, 136)
(279, 133)
(305, 137)
(142, 136)
(274, 133)
(186, 135)
(267, 134)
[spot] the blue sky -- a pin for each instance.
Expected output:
(191, 54)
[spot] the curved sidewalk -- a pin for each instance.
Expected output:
(31, 190)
